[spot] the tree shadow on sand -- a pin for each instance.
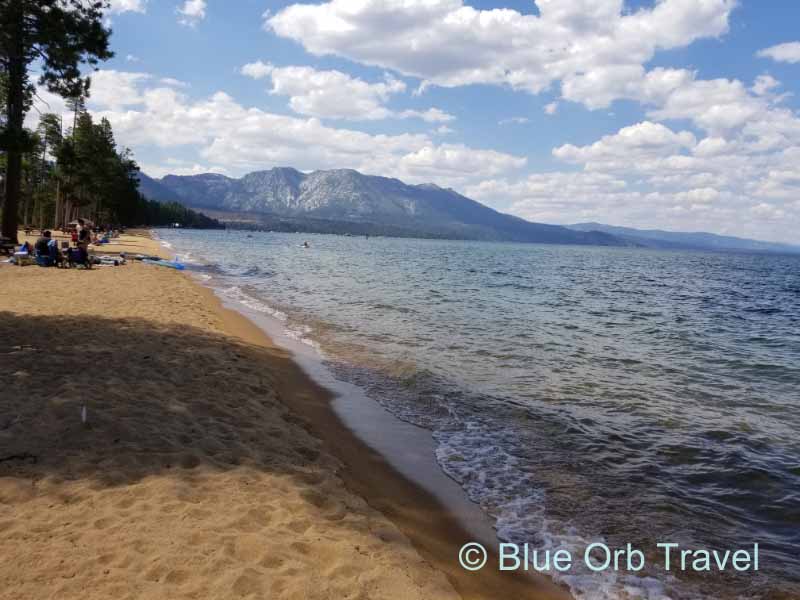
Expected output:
(182, 403)
(158, 398)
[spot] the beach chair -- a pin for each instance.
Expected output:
(45, 261)
(50, 259)
(22, 259)
(77, 258)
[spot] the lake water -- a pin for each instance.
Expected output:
(576, 393)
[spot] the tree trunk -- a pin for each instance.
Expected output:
(57, 222)
(15, 111)
(26, 210)
(11, 205)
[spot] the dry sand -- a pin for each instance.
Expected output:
(209, 466)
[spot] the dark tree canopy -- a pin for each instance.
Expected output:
(58, 37)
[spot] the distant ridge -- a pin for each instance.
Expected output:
(346, 201)
(655, 238)
(154, 190)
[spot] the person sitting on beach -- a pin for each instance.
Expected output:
(84, 239)
(47, 252)
(42, 243)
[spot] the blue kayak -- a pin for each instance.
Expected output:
(166, 263)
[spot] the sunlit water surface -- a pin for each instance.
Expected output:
(576, 393)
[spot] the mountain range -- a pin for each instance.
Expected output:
(656, 238)
(346, 201)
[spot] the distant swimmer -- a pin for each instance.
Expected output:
(306, 245)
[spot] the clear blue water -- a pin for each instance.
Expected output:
(576, 393)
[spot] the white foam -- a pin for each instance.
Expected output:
(302, 334)
(236, 294)
(491, 477)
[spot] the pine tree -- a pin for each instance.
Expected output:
(61, 36)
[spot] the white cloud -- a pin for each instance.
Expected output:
(594, 50)
(764, 84)
(630, 145)
(560, 197)
(121, 6)
(458, 160)
(192, 12)
(744, 181)
(699, 195)
(132, 58)
(789, 52)
(257, 70)
(236, 139)
(551, 108)
(571, 197)
(45, 102)
(171, 81)
(429, 115)
(116, 88)
(714, 105)
(337, 95)
(175, 166)
(514, 121)
(589, 46)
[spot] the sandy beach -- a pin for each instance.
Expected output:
(209, 465)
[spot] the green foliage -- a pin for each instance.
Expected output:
(51, 178)
(85, 174)
(159, 214)
(102, 182)
(60, 36)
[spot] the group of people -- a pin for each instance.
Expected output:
(46, 252)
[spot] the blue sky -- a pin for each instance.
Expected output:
(678, 114)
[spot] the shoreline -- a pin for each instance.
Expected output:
(432, 527)
(211, 464)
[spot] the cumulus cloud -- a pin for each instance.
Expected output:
(337, 95)
(171, 81)
(714, 105)
(572, 197)
(586, 45)
(257, 70)
(174, 166)
(117, 89)
(745, 181)
(235, 139)
(192, 12)
(121, 6)
(788, 52)
(631, 144)
(764, 84)
(593, 49)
